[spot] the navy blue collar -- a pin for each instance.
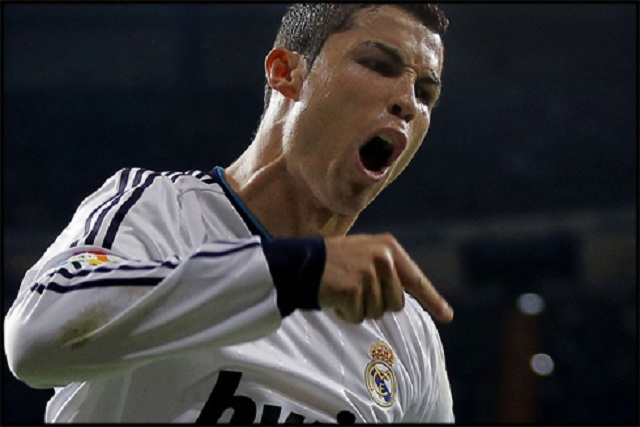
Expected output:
(251, 221)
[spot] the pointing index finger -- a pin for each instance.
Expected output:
(431, 300)
(421, 288)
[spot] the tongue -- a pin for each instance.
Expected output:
(375, 154)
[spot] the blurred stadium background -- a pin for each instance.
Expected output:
(521, 206)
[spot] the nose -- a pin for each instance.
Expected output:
(403, 102)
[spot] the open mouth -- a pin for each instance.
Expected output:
(376, 155)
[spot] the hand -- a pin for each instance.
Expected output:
(365, 276)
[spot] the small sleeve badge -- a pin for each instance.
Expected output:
(379, 377)
(89, 257)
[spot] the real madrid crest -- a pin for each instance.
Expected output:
(378, 375)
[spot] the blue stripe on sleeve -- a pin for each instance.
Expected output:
(99, 283)
(225, 252)
(90, 233)
(119, 267)
(124, 209)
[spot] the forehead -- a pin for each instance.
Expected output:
(399, 29)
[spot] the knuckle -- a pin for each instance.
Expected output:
(362, 238)
(382, 254)
(388, 239)
(367, 275)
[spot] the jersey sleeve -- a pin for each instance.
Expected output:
(125, 284)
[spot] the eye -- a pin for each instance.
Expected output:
(425, 96)
(379, 66)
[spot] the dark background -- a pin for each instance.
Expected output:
(527, 182)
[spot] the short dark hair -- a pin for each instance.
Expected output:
(306, 26)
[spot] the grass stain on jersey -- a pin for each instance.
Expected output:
(77, 332)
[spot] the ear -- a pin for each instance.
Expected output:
(285, 71)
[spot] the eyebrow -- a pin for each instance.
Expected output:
(396, 57)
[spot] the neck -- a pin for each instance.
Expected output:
(261, 179)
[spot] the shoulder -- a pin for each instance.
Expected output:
(142, 202)
(140, 178)
(413, 330)
(420, 319)
(139, 185)
(413, 333)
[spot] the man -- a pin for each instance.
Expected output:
(236, 296)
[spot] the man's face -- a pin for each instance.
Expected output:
(364, 108)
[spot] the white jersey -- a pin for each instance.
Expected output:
(164, 300)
